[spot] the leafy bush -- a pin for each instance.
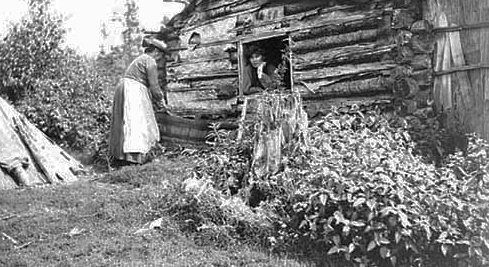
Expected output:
(32, 50)
(355, 188)
(64, 94)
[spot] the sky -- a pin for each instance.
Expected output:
(86, 17)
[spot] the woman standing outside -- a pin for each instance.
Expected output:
(133, 129)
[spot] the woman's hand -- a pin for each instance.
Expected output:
(156, 95)
(260, 69)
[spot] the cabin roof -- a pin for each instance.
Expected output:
(193, 5)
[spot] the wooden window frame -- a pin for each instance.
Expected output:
(251, 39)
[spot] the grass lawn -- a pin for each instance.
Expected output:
(94, 222)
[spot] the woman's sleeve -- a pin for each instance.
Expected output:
(154, 87)
(246, 80)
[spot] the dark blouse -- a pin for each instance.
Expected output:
(269, 80)
(144, 70)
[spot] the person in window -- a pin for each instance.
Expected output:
(259, 75)
(133, 129)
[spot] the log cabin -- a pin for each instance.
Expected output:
(332, 52)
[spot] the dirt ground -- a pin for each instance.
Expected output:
(95, 222)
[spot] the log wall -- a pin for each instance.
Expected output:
(364, 50)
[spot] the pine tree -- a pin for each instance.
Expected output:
(132, 33)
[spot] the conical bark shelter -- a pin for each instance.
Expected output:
(27, 156)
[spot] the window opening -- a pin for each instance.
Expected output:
(276, 58)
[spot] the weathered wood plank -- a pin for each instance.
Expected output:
(343, 70)
(302, 6)
(374, 21)
(230, 9)
(471, 42)
(421, 62)
(314, 107)
(208, 67)
(328, 42)
(246, 21)
(198, 102)
(380, 84)
(343, 55)
(215, 82)
(403, 18)
(215, 4)
(424, 78)
(210, 32)
(484, 46)
(200, 53)
(203, 76)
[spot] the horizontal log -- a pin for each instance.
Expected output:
(380, 84)
(424, 78)
(231, 9)
(175, 86)
(341, 56)
(314, 107)
(302, 6)
(343, 70)
(246, 18)
(308, 27)
(233, 58)
(215, 82)
(210, 32)
(338, 40)
(310, 23)
(199, 53)
(208, 67)
(199, 102)
(421, 62)
(374, 21)
(215, 4)
(190, 89)
(423, 43)
(197, 21)
(203, 76)
(327, 19)
(403, 18)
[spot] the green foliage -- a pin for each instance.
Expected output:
(132, 33)
(356, 189)
(62, 93)
(31, 51)
(73, 108)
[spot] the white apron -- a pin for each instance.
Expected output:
(140, 127)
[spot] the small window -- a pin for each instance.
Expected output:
(194, 40)
(277, 56)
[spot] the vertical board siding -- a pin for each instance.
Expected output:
(467, 47)
(484, 46)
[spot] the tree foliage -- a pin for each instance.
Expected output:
(355, 189)
(32, 50)
(132, 33)
(62, 92)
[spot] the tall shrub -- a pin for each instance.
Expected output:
(31, 50)
(62, 92)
